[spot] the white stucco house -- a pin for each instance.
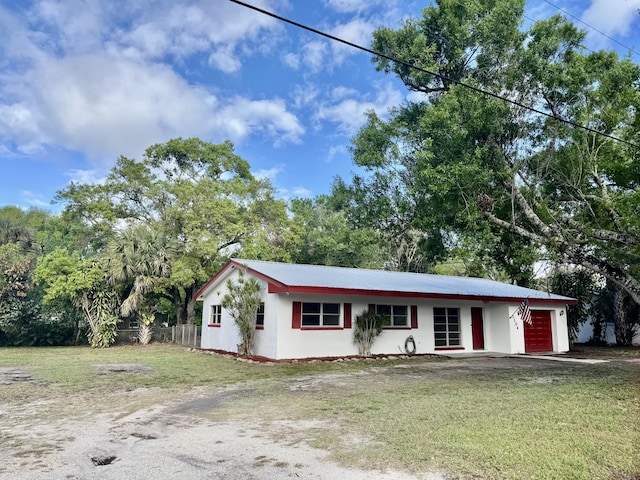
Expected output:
(308, 311)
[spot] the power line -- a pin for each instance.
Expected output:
(428, 72)
(593, 28)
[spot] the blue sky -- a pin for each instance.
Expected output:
(84, 81)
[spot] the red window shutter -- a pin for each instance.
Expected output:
(296, 318)
(372, 307)
(347, 315)
(414, 316)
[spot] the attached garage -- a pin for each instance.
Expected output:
(537, 335)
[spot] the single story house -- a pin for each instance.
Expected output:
(308, 311)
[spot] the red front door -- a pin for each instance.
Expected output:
(537, 336)
(477, 328)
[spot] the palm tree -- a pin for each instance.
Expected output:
(14, 228)
(138, 258)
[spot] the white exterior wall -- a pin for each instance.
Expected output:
(498, 329)
(559, 330)
(501, 333)
(503, 329)
(585, 333)
(319, 342)
(226, 336)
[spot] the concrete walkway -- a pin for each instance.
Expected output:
(590, 361)
(556, 357)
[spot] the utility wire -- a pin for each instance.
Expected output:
(593, 28)
(428, 72)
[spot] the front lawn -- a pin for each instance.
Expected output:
(502, 418)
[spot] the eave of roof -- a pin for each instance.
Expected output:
(274, 273)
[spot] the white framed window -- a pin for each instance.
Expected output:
(260, 315)
(315, 314)
(446, 326)
(215, 314)
(133, 324)
(395, 315)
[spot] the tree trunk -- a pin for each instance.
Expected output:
(191, 308)
(619, 316)
(177, 304)
(624, 328)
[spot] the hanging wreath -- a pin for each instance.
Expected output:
(410, 345)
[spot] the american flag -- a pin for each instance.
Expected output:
(525, 312)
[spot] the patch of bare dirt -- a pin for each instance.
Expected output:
(9, 375)
(109, 368)
(154, 443)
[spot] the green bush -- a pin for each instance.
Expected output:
(368, 326)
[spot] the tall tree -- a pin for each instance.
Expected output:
(200, 197)
(18, 255)
(139, 259)
(326, 237)
(67, 278)
(481, 167)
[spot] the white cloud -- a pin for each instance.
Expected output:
(336, 150)
(61, 89)
(340, 92)
(291, 60)
(302, 192)
(219, 28)
(93, 176)
(304, 95)
(267, 116)
(350, 6)
(153, 30)
(349, 111)
(78, 26)
(225, 60)
(320, 55)
(613, 17)
(296, 192)
(34, 199)
(269, 174)
(104, 106)
(314, 55)
(357, 31)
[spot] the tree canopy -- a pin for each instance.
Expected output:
(519, 184)
(198, 198)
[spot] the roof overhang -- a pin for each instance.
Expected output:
(281, 288)
(275, 286)
(232, 265)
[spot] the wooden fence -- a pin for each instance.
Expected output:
(187, 335)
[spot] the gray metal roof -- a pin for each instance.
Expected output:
(320, 276)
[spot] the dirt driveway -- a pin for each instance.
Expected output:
(173, 439)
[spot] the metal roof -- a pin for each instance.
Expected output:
(317, 278)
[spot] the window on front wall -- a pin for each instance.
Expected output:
(395, 315)
(215, 314)
(260, 315)
(446, 325)
(320, 314)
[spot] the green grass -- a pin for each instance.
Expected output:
(546, 420)
(610, 352)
